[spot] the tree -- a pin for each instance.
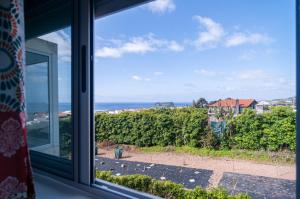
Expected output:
(200, 103)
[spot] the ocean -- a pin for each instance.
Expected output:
(120, 106)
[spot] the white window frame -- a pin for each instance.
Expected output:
(49, 49)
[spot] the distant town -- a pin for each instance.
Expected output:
(225, 107)
(231, 105)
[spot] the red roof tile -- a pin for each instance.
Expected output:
(244, 103)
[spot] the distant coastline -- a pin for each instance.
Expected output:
(112, 106)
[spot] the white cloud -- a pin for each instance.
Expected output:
(139, 78)
(137, 45)
(158, 73)
(161, 6)
(174, 46)
(136, 77)
(242, 38)
(206, 73)
(108, 52)
(212, 34)
(63, 41)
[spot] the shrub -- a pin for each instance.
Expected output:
(65, 133)
(248, 127)
(274, 130)
(165, 189)
(161, 127)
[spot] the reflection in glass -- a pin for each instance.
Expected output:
(37, 99)
(48, 93)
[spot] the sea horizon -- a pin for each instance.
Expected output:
(111, 106)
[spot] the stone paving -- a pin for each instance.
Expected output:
(257, 187)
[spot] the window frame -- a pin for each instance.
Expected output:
(36, 16)
(83, 153)
(110, 9)
(297, 7)
(42, 161)
(52, 88)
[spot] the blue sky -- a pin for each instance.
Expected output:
(176, 50)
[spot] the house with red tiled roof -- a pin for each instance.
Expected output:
(230, 106)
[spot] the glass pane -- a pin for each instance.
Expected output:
(48, 92)
(197, 94)
(37, 99)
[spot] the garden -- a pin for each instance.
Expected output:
(266, 138)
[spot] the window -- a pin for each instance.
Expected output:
(38, 123)
(49, 91)
(172, 95)
(199, 95)
(49, 98)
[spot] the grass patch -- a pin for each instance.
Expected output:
(284, 157)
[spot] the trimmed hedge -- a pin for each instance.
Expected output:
(273, 131)
(163, 127)
(165, 189)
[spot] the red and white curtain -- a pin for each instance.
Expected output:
(15, 170)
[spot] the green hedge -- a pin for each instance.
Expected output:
(186, 126)
(65, 133)
(165, 189)
(274, 130)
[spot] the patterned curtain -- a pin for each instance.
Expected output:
(15, 170)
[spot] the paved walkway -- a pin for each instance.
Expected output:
(256, 186)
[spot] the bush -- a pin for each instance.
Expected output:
(162, 127)
(215, 193)
(65, 133)
(248, 127)
(274, 130)
(165, 189)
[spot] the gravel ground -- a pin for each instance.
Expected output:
(189, 177)
(259, 187)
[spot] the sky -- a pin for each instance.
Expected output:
(176, 50)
